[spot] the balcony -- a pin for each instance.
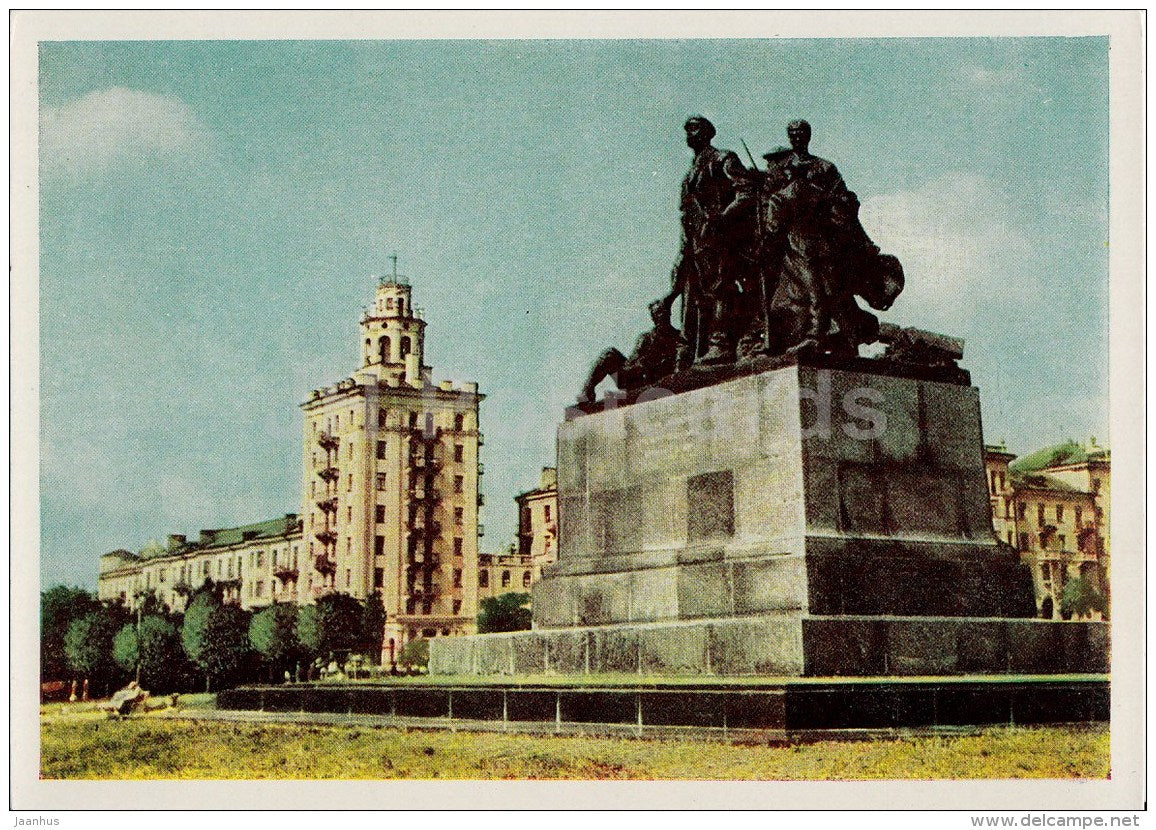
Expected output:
(329, 473)
(423, 528)
(285, 573)
(328, 505)
(323, 564)
(328, 440)
(421, 461)
(326, 536)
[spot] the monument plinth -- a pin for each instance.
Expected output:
(801, 521)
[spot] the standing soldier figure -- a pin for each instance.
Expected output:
(716, 199)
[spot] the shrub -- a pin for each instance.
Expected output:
(508, 612)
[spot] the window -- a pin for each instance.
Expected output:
(546, 512)
(348, 577)
(459, 422)
(1011, 539)
(337, 421)
(260, 559)
(400, 305)
(459, 515)
(483, 579)
(164, 575)
(427, 608)
(459, 453)
(413, 420)
(381, 419)
(378, 576)
(1059, 512)
(457, 578)
(379, 546)
(406, 346)
(1023, 541)
(1079, 514)
(1023, 510)
(205, 569)
(259, 589)
(1095, 485)
(457, 546)
(349, 514)
(457, 606)
(1040, 515)
(1062, 541)
(505, 579)
(459, 484)
(381, 481)
(381, 450)
(379, 513)
(383, 349)
(1002, 481)
(991, 476)
(526, 579)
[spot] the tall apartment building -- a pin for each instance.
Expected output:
(538, 523)
(391, 481)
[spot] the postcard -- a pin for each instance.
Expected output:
(722, 403)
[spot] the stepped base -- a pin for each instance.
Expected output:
(769, 709)
(786, 645)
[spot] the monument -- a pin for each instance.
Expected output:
(757, 499)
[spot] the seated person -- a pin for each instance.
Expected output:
(653, 358)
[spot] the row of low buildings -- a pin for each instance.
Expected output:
(391, 496)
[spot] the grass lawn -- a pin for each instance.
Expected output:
(87, 744)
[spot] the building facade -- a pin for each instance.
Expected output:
(391, 481)
(1052, 506)
(390, 499)
(254, 565)
(538, 523)
(504, 573)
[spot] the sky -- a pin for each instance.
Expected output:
(212, 214)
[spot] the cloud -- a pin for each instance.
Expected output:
(109, 127)
(961, 241)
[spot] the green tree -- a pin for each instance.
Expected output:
(332, 624)
(1081, 598)
(196, 622)
(415, 653)
(308, 631)
(88, 647)
(372, 627)
(507, 612)
(124, 648)
(59, 606)
(273, 636)
(226, 643)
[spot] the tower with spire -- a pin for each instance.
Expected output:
(391, 480)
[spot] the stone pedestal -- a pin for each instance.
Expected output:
(798, 521)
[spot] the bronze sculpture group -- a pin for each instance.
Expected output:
(770, 263)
